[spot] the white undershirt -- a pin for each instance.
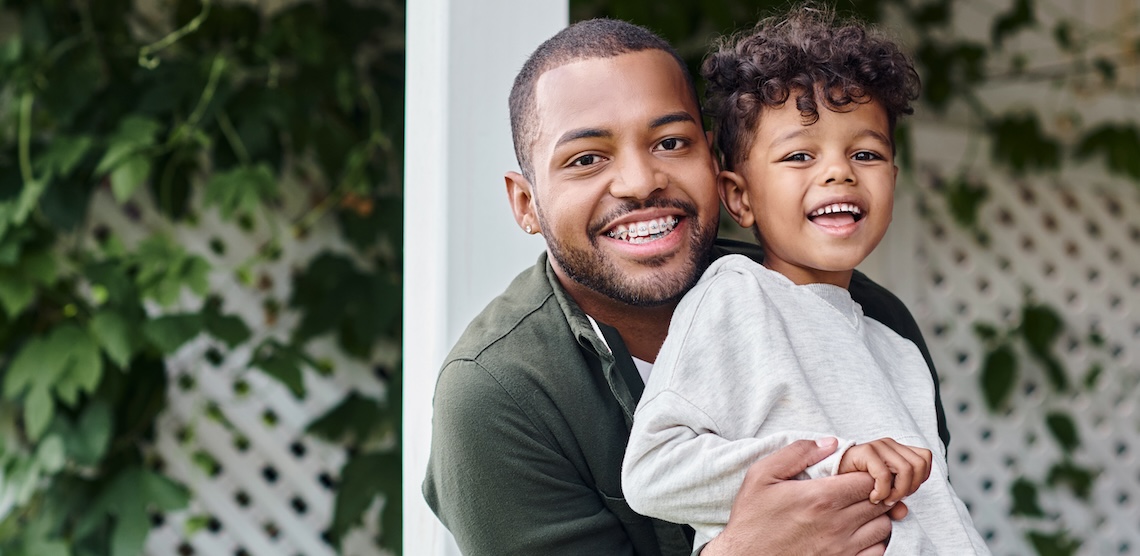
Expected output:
(643, 367)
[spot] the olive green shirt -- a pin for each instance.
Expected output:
(531, 418)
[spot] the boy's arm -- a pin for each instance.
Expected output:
(678, 469)
(497, 484)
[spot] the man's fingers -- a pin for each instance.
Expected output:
(791, 460)
(873, 534)
(898, 511)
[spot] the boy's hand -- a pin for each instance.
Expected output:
(898, 470)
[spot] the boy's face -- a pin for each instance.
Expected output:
(620, 147)
(820, 196)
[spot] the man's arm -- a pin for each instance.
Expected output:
(774, 514)
(499, 485)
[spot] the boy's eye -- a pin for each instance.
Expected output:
(671, 144)
(866, 156)
(798, 157)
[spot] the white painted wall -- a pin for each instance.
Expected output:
(461, 245)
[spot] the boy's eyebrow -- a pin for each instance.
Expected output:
(874, 134)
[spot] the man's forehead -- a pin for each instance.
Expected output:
(598, 92)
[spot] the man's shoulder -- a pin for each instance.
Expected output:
(528, 302)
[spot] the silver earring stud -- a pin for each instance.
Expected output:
(528, 228)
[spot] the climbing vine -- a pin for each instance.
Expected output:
(158, 114)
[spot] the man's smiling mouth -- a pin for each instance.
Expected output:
(644, 231)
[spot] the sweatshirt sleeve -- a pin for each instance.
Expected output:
(693, 436)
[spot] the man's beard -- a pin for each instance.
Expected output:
(592, 269)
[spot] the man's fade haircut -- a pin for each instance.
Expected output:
(808, 52)
(593, 38)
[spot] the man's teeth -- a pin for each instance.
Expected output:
(836, 207)
(641, 232)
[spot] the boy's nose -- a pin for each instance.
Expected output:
(838, 171)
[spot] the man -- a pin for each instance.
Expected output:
(533, 406)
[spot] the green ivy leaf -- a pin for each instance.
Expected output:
(1064, 430)
(84, 366)
(16, 293)
(228, 328)
(1053, 544)
(1020, 143)
(363, 478)
(356, 420)
(50, 454)
(115, 335)
(999, 374)
(1118, 143)
(128, 175)
(1077, 478)
(129, 497)
(1041, 326)
(965, 198)
(64, 153)
(38, 411)
(164, 268)
(1024, 495)
(283, 363)
(37, 365)
(1019, 17)
(133, 134)
(92, 434)
(169, 332)
(242, 189)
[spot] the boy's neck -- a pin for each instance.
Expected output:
(801, 276)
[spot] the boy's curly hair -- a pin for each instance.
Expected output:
(807, 53)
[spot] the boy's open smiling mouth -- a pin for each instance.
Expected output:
(836, 214)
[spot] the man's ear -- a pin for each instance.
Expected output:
(734, 194)
(521, 196)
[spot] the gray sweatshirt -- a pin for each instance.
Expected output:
(754, 362)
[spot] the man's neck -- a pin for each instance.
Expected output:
(643, 329)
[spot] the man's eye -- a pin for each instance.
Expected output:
(867, 156)
(586, 160)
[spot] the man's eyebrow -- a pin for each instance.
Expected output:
(582, 133)
(671, 118)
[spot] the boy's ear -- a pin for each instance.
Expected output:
(734, 194)
(521, 196)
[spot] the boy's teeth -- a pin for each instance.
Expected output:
(640, 232)
(836, 207)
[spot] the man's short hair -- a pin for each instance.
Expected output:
(594, 38)
(809, 52)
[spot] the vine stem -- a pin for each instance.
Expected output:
(25, 139)
(146, 53)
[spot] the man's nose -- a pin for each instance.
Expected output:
(637, 178)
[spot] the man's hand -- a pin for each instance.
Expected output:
(775, 514)
(898, 470)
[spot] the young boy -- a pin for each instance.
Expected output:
(805, 110)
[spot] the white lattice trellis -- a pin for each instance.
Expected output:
(260, 486)
(1077, 247)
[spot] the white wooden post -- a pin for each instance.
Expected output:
(461, 245)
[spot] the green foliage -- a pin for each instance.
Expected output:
(1024, 494)
(205, 107)
(999, 376)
